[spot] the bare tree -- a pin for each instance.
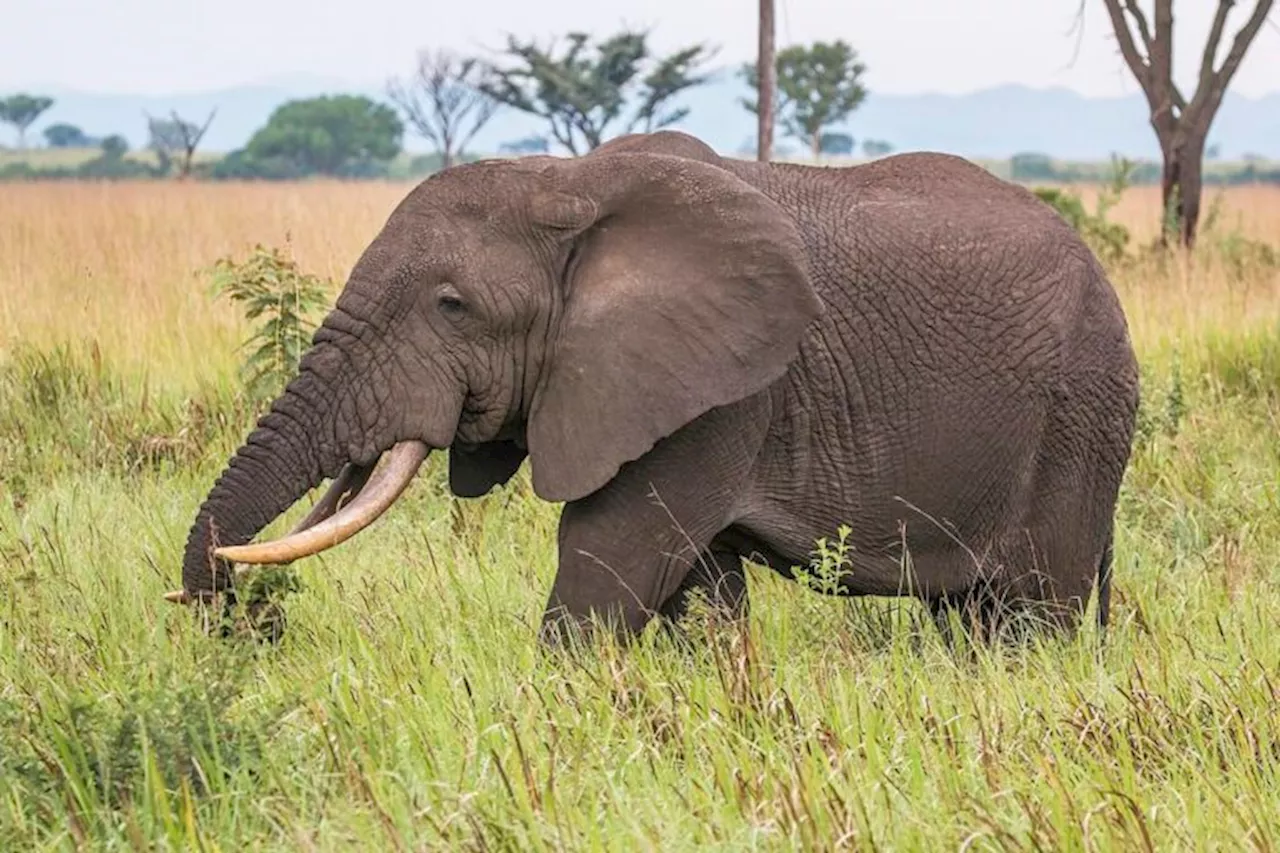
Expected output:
(174, 138)
(443, 101)
(767, 74)
(1181, 125)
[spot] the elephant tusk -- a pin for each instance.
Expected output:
(348, 484)
(402, 462)
(350, 480)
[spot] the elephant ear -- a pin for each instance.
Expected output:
(687, 289)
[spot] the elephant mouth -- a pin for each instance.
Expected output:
(355, 499)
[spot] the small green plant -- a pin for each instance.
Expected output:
(1109, 240)
(281, 300)
(829, 566)
(1163, 405)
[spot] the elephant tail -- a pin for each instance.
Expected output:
(1104, 585)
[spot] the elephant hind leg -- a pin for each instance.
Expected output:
(1045, 577)
(1039, 584)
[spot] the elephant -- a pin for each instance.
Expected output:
(709, 360)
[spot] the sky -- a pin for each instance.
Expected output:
(910, 46)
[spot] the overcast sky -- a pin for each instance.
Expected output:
(171, 46)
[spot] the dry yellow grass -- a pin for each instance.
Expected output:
(118, 264)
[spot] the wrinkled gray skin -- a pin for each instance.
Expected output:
(912, 347)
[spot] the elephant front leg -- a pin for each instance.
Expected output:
(619, 565)
(630, 548)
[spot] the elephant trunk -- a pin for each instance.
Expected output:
(284, 457)
(324, 527)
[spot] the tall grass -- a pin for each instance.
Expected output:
(408, 706)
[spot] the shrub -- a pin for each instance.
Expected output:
(281, 299)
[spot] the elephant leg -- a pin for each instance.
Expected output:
(1015, 606)
(719, 577)
(627, 548)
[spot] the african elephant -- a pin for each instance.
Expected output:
(706, 360)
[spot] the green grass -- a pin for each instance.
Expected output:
(409, 707)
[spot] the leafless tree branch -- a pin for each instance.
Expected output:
(1137, 62)
(177, 136)
(191, 135)
(1240, 44)
(1140, 20)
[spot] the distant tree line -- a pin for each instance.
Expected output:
(584, 89)
(1036, 167)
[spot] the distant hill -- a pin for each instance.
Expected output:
(996, 122)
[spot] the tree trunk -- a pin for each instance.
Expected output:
(815, 145)
(766, 74)
(1181, 184)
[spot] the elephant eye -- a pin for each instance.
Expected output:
(451, 303)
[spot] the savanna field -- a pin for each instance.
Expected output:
(408, 706)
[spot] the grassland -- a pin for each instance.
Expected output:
(408, 707)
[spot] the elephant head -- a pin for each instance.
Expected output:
(571, 310)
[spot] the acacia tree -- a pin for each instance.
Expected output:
(586, 89)
(817, 86)
(21, 111)
(175, 138)
(1181, 125)
(444, 102)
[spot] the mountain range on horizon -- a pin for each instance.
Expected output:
(995, 122)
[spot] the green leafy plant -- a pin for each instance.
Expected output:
(829, 566)
(281, 301)
(1163, 404)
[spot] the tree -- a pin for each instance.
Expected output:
(114, 147)
(876, 147)
(326, 135)
(177, 138)
(21, 111)
(1181, 125)
(64, 135)
(585, 89)
(532, 144)
(444, 102)
(818, 86)
(834, 142)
